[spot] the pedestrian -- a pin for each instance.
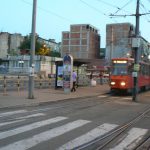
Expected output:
(91, 76)
(74, 78)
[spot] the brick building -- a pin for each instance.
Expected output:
(118, 39)
(82, 42)
(119, 42)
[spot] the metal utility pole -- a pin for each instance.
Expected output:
(135, 44)
(32, 53)
(112, 43)
(136, 56)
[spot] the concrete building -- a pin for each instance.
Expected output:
(9, 44)
(14, 43)
(4, 46)
(82, 42)
(50, 43)
(119, 42)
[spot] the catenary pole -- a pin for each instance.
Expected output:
(136, 55)
(32, 53)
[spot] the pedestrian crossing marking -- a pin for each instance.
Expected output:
(29, 127)
(103, 96)
(44, 136)
(30, 116)
(134, 135)
(12, 113)
(129, 141)
(10, 122)
(127, 98)
(89, 136)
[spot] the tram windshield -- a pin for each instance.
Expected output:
(119, 69)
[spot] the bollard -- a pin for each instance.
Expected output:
(49, 82)
(18, 84)
(40, 81)
(4, 85)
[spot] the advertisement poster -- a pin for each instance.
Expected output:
(60, 76)
(67, 71)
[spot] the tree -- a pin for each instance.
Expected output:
(55, 54)
(44, 50)
(40, 48)
(26, 44)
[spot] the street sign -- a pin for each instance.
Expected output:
(134, 74)
(136, 67)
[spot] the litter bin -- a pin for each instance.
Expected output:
(93, 82)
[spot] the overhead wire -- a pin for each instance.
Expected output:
(50, 12)
(121, 8)
(114, 6)
(147, 17)
(94, 8)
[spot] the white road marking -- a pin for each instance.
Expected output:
(12, 113)
(29, 127)
(134, 135)
(30, 116)
(44, 136)
(115, 97)
(103, 96)
(10, 122)
(89, 136)
(128, 98)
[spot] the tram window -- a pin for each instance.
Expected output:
(146, 70)
(142, 69)
(130, 68)
(119, 69)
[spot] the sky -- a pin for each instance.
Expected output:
(55, 16)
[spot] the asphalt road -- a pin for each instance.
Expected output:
(69, 124)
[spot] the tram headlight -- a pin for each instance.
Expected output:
(122, 83)
(112, 83)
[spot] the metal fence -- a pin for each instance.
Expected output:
(8, 83)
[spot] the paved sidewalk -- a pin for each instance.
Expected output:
(15, 98)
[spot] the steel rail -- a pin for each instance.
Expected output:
(116, 131)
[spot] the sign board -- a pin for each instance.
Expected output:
(136, 67)
(135, 42)
(134, 74)
(60, 76)
(67, 73)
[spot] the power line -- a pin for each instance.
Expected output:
(115, 6)
(50, 12)
(145, 10)
(94, 8)
(121, 8)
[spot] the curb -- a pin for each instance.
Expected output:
(48, 102)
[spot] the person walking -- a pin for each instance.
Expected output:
(74, 78)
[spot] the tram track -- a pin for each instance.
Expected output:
(103, 142)
(144, 145)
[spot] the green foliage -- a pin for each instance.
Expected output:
(55, 54)
(44, 51)
(40, 48)
(26, 44)
(13, 52)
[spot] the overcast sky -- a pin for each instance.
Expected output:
(55, 16)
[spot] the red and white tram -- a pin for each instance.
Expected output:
(121, 75)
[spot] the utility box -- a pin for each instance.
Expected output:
(135, 42)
